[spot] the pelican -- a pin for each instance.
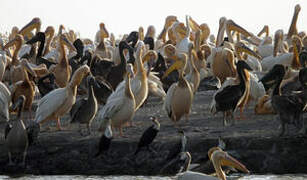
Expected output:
(59, 101)
(25, 87)
(287, 59)
(119, 108)
(62, 70)
(218, 158)
(139, 84)
(193, 77)
(101, 49)
(178, 93)
(5, 98)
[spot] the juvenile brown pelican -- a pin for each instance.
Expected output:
(149, 135)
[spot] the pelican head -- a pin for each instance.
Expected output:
(151, 56)
(169, 50)
(241, 47)
(25, 64)
(297, 8)
(151, 31)
(179, 65)
(129, 69)
(141, 33)
(170, 20)
(220, 158)
(232, 26)
(49, 31)
(278, 37)
(34, 24)
(103, 31)
(221, 30)
(64, 40)
(17, 40)
(180, 29)
(205, 32)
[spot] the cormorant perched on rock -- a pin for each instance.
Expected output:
(105, 140)
(149, 135)
(179, 147)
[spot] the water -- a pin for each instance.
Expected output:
(234, 177)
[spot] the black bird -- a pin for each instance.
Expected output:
(231, 96)
(178, 147)
(40, 37)
(75, 62)
(32, 128)
(133, 38)
(105, 140)
(150, 41)
(289, 107)
(45, 87)
(84, 110)
(149, 135)
(179, 164)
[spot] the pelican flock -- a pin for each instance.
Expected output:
(106, 82)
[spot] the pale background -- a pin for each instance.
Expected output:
(125, 16)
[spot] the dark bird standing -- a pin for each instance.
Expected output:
(149, 135)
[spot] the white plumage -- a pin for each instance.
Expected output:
(51, 103)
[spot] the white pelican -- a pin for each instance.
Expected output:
(287, 59)
(120, 107)
(178, 93)
(218, 158)
(59, 101)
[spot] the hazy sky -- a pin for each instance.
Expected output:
(125, 16)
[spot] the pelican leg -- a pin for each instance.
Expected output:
(10, 159)
(58, 124)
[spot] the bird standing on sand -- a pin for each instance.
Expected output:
(149, 135)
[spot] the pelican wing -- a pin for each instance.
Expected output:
(111, 108)
(168, 99)
(50, 103)
(4, 112)
(25, 49)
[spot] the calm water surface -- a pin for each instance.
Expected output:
(248, 177)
